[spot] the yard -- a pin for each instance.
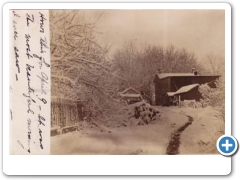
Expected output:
(199, 137)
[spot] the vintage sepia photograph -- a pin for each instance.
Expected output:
(137, 82)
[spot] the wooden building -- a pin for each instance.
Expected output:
(189, 92)
(130, 95)
(172, 82)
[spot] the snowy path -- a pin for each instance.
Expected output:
(175, 141)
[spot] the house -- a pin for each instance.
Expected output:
(173, 82)
(130, 95)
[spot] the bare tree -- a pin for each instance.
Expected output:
(140, 66)
(214, 64)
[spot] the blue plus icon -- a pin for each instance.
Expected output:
(227, 145)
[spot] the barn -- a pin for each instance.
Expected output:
(165, 83)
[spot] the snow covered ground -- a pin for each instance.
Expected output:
(201, 136)
(198, 138)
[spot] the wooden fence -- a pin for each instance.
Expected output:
(65, 112)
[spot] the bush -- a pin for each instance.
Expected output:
(214, 97)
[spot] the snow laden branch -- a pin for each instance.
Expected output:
(80, 65)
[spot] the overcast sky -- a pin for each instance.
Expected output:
(199, 31)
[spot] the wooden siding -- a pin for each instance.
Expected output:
(192, 94)
(162, 86)
(184, 81)
(172, 84)
(66, 113)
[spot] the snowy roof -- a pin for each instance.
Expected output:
(164, 75)
(170, 93)
(130, 88)
(130, 95)
(186, 88)
(183, 89)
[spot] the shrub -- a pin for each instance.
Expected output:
(214, 97)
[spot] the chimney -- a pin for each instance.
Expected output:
(193, 70)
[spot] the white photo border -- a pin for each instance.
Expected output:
(115, 164)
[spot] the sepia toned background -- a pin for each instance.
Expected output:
(99, 56)
(201, 31)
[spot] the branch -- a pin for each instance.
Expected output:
(99, 17)
(101, 65)
(63, 17)
(98, 88)
(62, 78)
